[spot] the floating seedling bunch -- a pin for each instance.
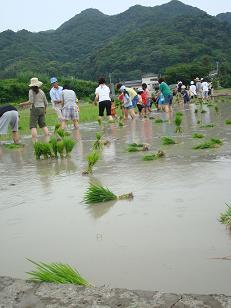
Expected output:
(97, 194)
(134, 147)
(167, 140)
(178, 121)
(210, 144)
(225, 218)
(197, 136)
(56, 273)
(154, 156)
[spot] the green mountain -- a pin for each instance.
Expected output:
(137, 41)
(224, 17)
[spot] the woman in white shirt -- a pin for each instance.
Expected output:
(102, 95)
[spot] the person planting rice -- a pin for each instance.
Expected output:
(70, 110)
(56, 97)
(148, 98)
(9, 116)
(102, 96)
(192, 90)
(167, 93)
(127, 102)
(38, 103)
(140, 92)
(185, 94)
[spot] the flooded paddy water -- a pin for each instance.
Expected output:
(167, 238)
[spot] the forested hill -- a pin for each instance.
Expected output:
(139, 40)
(224, 17)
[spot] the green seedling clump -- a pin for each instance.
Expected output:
(60, 148)
(198, 136)
(167, 140)
(92, 159)
(207, 125)
(134, 147)
(227, 122)
(61, 132)
(56, 273)
(179, 114)
(225, 218)
(178, 121)
(154, 156)
(98, 144)
(12, 146)
(211, 144)
(42, 149)
(159, 121)
(97, 193)
(69, 144)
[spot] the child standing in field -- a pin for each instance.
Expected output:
(70, 109)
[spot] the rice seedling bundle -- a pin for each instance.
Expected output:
(92, 159)
(198, 136)
(207, 125)
(42, 149)
(56, 273)
(154, 156)
(57, 126)
(178, 121)
(38, 149)
(167, 140)
(60, 131)
(134, 147)
(98, 144)
(53, 142)
(211, 144)
(159, 121)
(179, 114)
(225, 218)
(228, 122)
(69, 144)
(60, 148)
(97, 193)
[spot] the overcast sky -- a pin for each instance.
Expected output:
(50, 14)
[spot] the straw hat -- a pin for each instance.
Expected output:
(34, 82)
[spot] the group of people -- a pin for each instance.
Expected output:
(64, 102)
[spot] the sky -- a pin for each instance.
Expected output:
(45, 15)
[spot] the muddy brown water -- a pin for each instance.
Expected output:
(165, 239)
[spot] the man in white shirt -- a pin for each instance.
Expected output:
(205, 89)
(56, 97)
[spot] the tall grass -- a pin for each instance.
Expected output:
(57, 273)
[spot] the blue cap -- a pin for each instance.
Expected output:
(53, 80)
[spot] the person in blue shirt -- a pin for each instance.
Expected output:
(56, 97)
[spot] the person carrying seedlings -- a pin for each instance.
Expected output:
(102, 96)
(185, 94)
(9, 116)
(127, 102)
(70, 110)
(38, 104)
(167, 93)
(56, 97)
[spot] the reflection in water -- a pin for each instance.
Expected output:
(100, 209)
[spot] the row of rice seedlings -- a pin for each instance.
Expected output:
(154, 156)
(178, 121)
(134, 147)
(225, 218)
(210, 144)
(56, 273)
(167, 140)
(96, 193)
(198, 136)
(227, 122)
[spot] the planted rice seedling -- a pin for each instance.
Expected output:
(92, 159)
(210, 144)
(97, 193)
(42, 149)
(198, 136)
(38, 149)
(178, 121)
(167, 140)
(98, 144)
(134, 147)
(61, 132)
(53, 143)
(57, 273)
(227, 122)
(69, 144)
(154, 156)
(225, 218)
(179, 114)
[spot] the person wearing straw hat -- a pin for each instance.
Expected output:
(38, 104)
(56, 97)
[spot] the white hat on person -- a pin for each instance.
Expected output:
(192, 82)
(140, 90)
(34, 82)
(183, 87)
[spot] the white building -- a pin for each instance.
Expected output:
(151, 80)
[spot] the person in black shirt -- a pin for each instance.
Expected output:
(9, 116)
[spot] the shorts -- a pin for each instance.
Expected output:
(102, 106)
(37, 117)
(168, 99)
(70, 113)
(135, 100)
(140, 107)
(9, 118)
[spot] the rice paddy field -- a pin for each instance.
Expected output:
(168, 237)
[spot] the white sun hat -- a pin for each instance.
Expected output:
(34, 82)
